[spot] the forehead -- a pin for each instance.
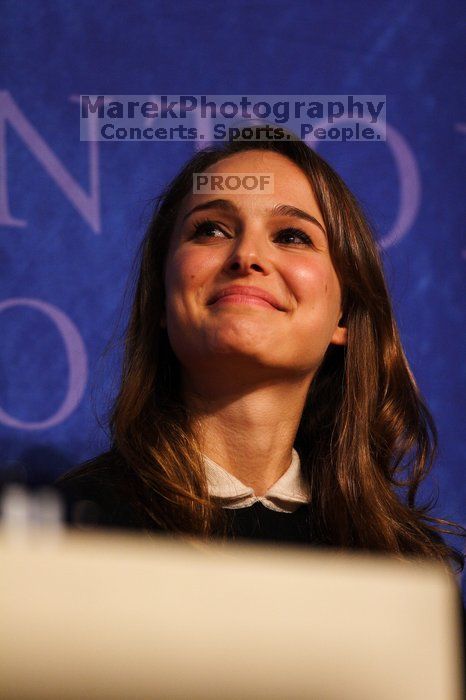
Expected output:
(255, 161)
(291, 185)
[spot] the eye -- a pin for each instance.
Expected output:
(297, 233)
(205, 228)
(208, 229)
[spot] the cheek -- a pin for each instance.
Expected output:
(315, 285)
(308, 279)
(187, 273)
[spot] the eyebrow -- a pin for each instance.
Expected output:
(278, 210)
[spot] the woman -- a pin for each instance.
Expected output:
(287, 411)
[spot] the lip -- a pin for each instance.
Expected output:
(247, 291)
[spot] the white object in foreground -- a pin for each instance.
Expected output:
(104, 615)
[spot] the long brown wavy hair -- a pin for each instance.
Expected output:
(366, 438)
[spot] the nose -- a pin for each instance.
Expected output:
(248, 254)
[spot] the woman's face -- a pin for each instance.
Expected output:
(282, 253)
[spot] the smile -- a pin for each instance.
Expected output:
(245, 294)
(242, 299)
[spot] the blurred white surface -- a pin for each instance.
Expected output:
(104, 615)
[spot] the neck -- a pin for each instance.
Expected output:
(251, 431)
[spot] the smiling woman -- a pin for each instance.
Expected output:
(264, 383)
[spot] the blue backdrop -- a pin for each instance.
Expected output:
(73, 213)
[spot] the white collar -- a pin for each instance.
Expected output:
(285, 495)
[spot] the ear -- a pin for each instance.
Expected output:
(340, 335)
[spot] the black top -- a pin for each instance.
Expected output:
(97, 498)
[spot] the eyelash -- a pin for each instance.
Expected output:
(208, 225)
